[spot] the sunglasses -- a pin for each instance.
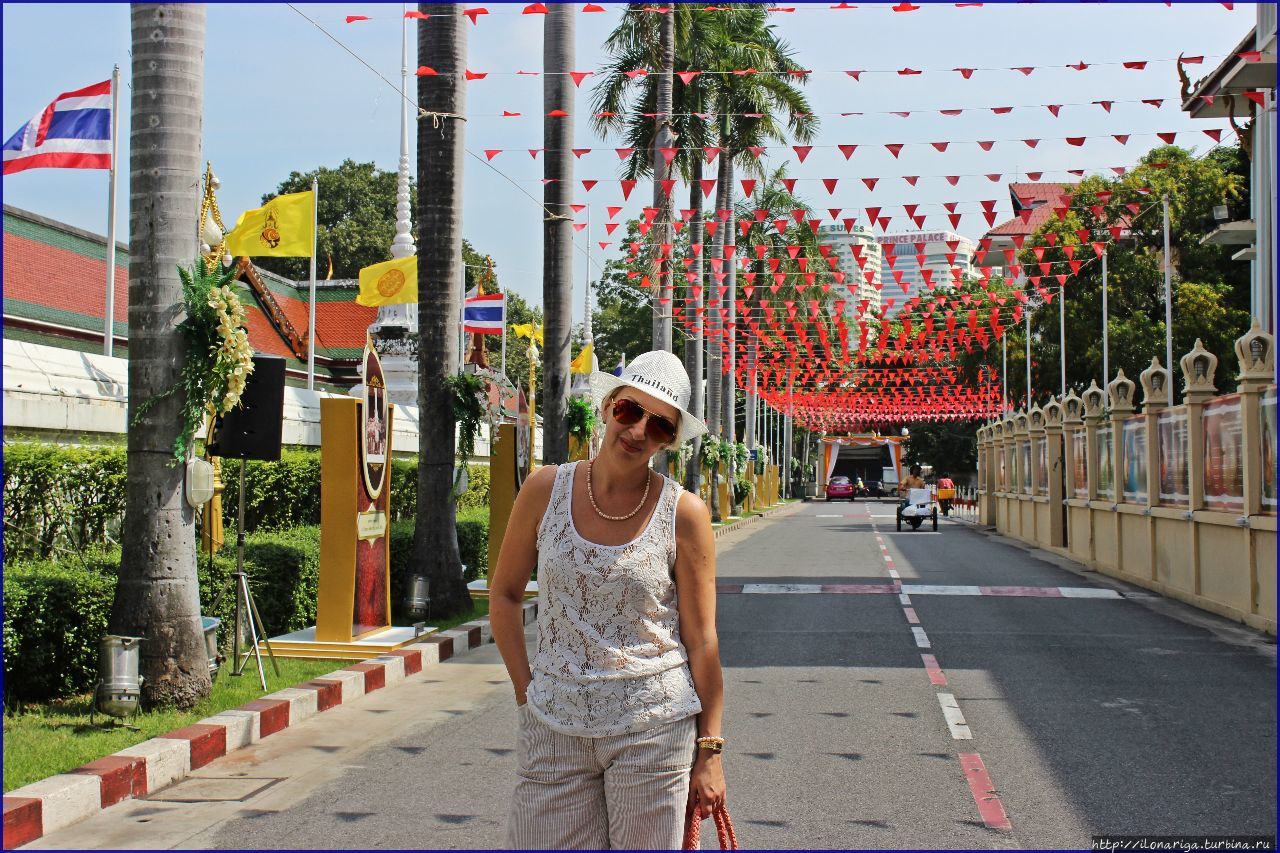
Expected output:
(629, 412)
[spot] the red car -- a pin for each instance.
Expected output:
(839, 488)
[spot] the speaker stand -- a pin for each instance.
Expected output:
(246, 608)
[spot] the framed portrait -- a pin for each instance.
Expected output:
(1223, 455)
(1267, 413)
(1133, 461)
(1079, 464)
(1172, 449)
(1106, 465)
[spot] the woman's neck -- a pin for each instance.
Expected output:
(612, 475)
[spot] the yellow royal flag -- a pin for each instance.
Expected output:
(393, 282)
(525, 330)
(282, 228)
(582, 364)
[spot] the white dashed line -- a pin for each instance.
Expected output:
(955, 719)
(904, 599)
(893, 573)
(922, 639)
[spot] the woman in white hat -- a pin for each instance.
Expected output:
(620, 707)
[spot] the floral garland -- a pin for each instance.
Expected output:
(219, 359)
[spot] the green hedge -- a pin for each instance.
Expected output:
(61, 498)
(56, 613)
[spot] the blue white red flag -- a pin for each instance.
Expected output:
(74, 132)
(485, 314)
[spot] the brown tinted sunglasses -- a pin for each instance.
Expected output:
(629, 412)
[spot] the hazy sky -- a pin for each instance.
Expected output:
(281, 96)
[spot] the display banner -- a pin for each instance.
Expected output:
(1173, 450)
(1223, 455)
(1079, 464)
(1042, 463)
(1106, 466)
(1267, 413)
(1024, 448)
(1133, 459)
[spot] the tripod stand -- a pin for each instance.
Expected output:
(246, 608)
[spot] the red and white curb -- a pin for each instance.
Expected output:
(35, 810)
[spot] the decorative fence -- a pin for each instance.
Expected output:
(1179, 499)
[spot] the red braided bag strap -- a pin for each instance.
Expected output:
(724, 829)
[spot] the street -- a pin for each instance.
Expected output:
(883, 690)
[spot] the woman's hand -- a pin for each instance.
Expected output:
(706, 784)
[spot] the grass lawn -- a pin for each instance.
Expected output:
(43, 740)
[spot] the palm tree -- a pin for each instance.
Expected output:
(442, 44)
(557, 239)
(157, 594)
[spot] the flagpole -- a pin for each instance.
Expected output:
(504, 338)
(1106, 346)
(108, 314)
(1168, 296)
(311, 311)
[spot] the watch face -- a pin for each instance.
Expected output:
(524, 439)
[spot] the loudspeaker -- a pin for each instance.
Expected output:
(252, 430)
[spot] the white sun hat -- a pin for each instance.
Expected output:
(660, 375)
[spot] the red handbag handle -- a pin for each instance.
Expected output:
(724, 829)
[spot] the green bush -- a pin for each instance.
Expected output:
(61, 498)
(55, 614)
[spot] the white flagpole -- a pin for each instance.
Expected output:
(311, 311)
(1168, 297)
(504, 336)
(108, 314)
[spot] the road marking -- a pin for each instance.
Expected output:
(888, 558)
(828, 516)
(1087, 592)
(936, 675)
(906, 590)
(912, 618)
(922, 639)
(781, 588)
(940, 589)
(955, 719)
(990, 808)
(893, 574)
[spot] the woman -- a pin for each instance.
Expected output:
(620, 708)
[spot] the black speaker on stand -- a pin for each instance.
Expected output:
(252, 430)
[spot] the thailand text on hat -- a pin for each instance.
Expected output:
(662, 376)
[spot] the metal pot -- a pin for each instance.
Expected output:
(210, 625)
(417, 601)
(119, 689)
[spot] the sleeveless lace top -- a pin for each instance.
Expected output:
(609, 659)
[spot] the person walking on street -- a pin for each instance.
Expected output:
(620, 708)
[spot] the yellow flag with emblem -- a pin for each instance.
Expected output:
(282, 228)
(525, 330)
(393, 282)
(582, 364)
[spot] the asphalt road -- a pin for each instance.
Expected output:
(884, 690)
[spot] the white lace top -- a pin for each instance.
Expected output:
(609, 658)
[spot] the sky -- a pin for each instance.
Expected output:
(281, 96)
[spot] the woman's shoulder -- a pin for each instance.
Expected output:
(538, 486)
(691, 512)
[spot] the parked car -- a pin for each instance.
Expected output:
(839, 488)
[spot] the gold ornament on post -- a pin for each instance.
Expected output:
(213, 249)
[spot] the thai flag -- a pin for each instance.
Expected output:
(485, 314)
(74, 132)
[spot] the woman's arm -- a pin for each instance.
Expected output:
(516, 562)
(696, 598)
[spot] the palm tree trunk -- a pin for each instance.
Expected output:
(661, 172)
(693, 342)
(715, 360)
(728, 396)
(557, 229)
(442, 44)
(157, 594)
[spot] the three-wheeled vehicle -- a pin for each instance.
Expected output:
(918, 506)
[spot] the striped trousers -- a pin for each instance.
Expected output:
(625, 791)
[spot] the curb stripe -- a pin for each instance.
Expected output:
(912, 618)
(922, 639)
(990, 808)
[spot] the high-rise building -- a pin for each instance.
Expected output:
(856, 286)
(917, 261)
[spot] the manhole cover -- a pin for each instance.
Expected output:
(208, 789)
